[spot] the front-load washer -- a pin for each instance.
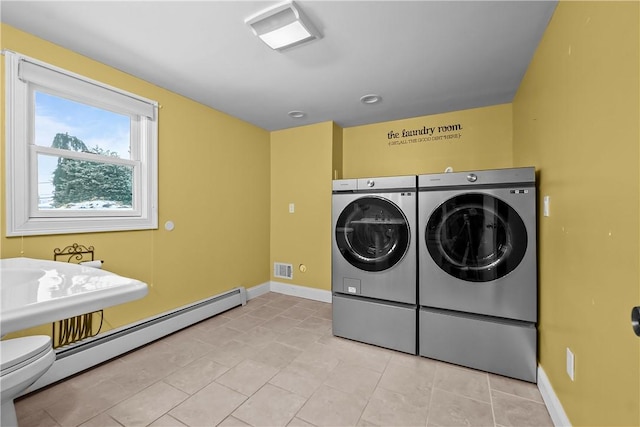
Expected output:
(373, 258)
(478, 270)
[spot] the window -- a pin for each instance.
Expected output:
(81, 155)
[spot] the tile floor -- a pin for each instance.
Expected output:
(274, 362)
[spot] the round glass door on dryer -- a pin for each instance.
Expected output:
(373, 247)
(478, 251)
(476, 237)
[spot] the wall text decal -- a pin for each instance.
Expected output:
(449, 132)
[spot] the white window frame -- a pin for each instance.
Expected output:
(24, 75)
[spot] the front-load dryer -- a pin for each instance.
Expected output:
(478, 269)
(374, 275)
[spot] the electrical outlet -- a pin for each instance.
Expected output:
(571, 364)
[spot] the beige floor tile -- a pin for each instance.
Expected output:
(218, 336)
(232, 353)
(297, 422)
(325, 312)
(331, 340)
(515, 411)
(133, 380)
(102, 420)
(238, 311)
(312, 305)
(188, 351)
(316, 325)
(189, 333)
(314, 362)
(166, 421)
(210, 323)
(189, 342)
(196, 375)
(244, 323)
(267, 312)
(275, 355)
(96, 374)
(319, 372)
(463, 381)
(141, 354)
(284, 302)
(231, 421)
(269, 406)
(450, 409)
(158, 358)
(79, 406)
(148, 405)
(269, 296)
(517, 388)
(298, 338)
(298, 313)
(209, 406)
(365, 356)
(386, 408)
(331, 407)
(353, 379)
(281, 324)
(286, 359)
(38, 418)
(258, 337)
(420, 364)
(42, 398)
(247, 377)
(317, 353)
(253, 303)
(295, 383)
(416, 386)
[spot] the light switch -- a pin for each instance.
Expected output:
(292, 208)
(570, 364)
(545, 206)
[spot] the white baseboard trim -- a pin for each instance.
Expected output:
(301, 291)
(558, 416)
(258, 290)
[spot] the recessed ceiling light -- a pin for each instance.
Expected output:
(371, 99)
(296, 114)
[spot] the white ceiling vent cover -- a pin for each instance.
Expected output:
(282, 26)
(282, 271)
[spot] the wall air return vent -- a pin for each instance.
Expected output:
(282, 271)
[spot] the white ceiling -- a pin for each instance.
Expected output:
(422, 57)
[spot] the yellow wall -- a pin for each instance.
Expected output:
(301, 173)
(213, 184)
(337, 151)
(479, 138)
(576, 117)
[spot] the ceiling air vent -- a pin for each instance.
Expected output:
(283, 271)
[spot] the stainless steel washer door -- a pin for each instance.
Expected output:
(476, 237)
(372, 234)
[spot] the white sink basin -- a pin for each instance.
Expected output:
(35, 291)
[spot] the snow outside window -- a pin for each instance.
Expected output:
(81, 156)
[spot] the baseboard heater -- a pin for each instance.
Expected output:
(87, 353)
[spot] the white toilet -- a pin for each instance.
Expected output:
(23, 361)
